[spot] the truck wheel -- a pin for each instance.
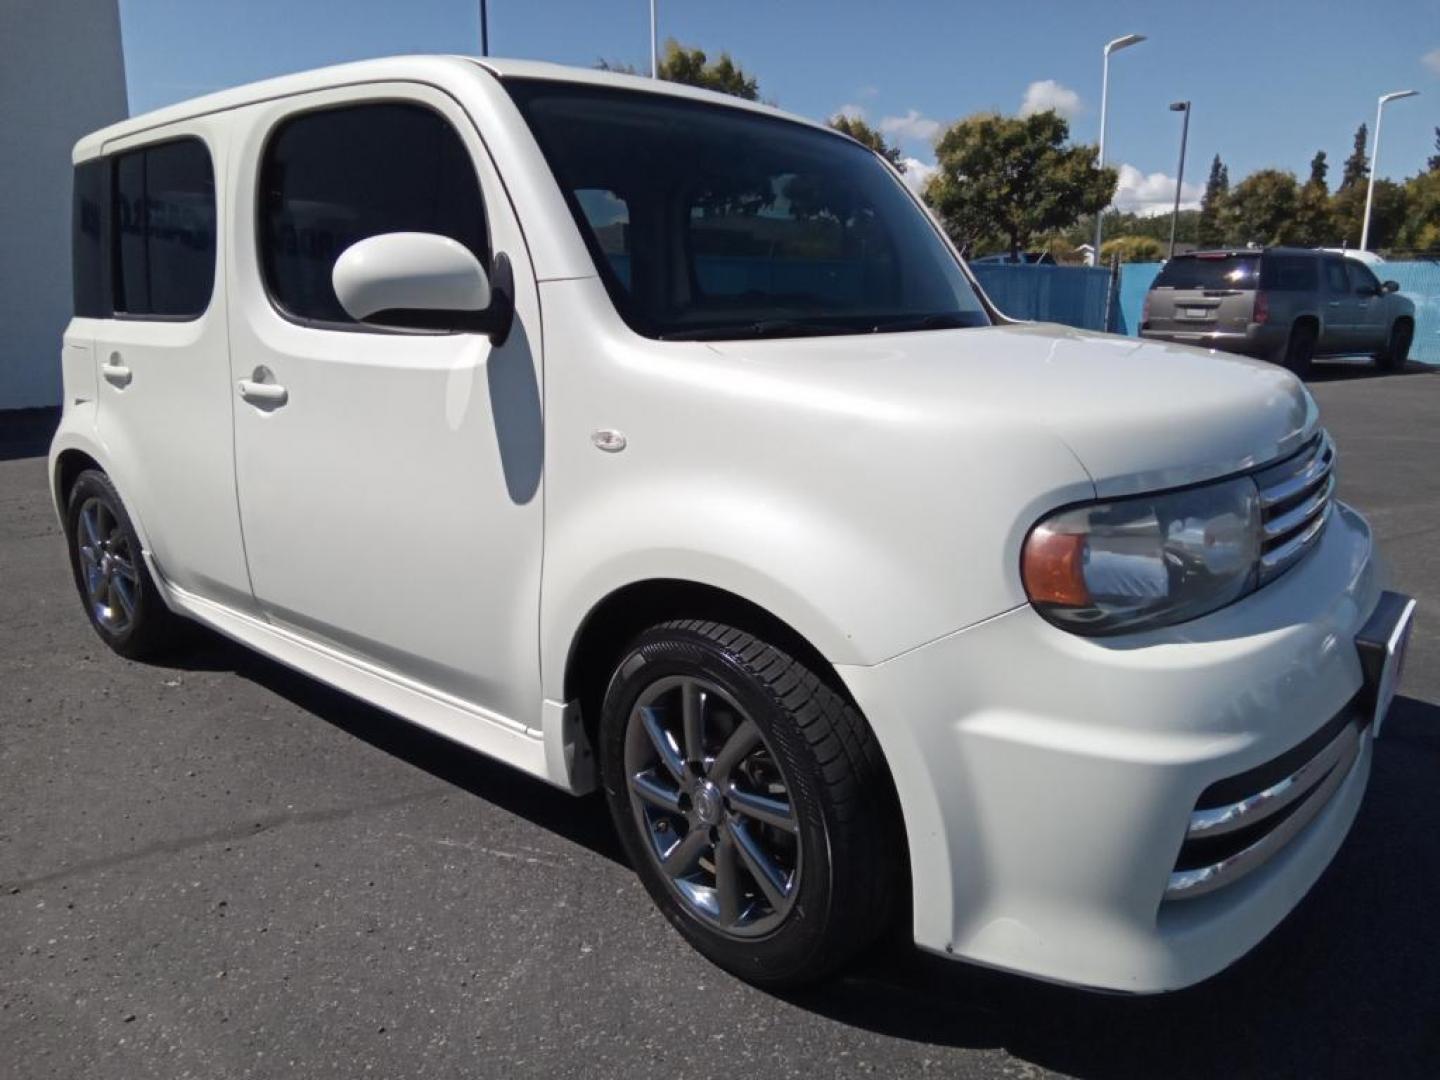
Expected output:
(1397, 347)
(1299, 351)
(752, 800)
(119, 596)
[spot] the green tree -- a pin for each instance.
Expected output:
(1387, 216)
(1357, 165)
(1314, 222)
(1421, 228)
(1433, 163)
(866, 135)
(1210, 227)
(1014, 178)
(1262, 208)
(693, 68)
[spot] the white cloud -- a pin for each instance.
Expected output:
(1432, 60)
(910, 126)
(868, 91)
(918, 173)
(1153, 193)
(1048, 95)
(850, 112)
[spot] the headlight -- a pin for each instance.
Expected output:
(1139, 563)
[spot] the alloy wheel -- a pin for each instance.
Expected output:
(107, 566)
(712, 806)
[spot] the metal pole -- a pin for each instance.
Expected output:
(484, 30)
(1104, 102)
(1375, 161)
(1113, 46)
(1179, 106)
(654, 49)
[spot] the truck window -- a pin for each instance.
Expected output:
(1290, 273)
(164, 229)
(1209, 272)
(332, 177)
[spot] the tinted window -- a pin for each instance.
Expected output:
(334, 177)
(87, 239)
(164, 211)
(1290, 273)
(1209, 272)
(709, 221)
(1335, 279)
(1361, 277)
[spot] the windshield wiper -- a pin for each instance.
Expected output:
(940, 320)
(764, 328)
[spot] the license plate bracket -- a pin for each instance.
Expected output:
(1382, 643)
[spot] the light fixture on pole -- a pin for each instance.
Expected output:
(1114, 46)
(1375, 161)
(654, 50)
(484, 30)
(1180, 107)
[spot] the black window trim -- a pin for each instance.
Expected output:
(257, 195)
(112, 252)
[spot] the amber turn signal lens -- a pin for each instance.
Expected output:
(1052, 568)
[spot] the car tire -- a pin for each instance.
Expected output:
(115, 587)
(1397, 347)
(1298, 355)
(693, 813)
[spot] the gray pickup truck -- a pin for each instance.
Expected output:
(1288, 305)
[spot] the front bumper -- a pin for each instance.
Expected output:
(1048, 781)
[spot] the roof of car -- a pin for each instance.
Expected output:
(1216, 253)
(404, 69)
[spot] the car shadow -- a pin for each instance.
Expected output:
(1348, 985)
(584, 821)
(1325, 371)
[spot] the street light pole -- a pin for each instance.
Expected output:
(1114, 46)
(1179, 106)
(1375, 161)
(654, 50)
(484, 30)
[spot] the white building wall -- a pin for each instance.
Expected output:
(62, 74)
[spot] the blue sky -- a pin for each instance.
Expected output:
(1272, 81)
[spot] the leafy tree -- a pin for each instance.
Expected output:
(1132, 249)
(1314, 222)
(1357, 165)
(693, 68)
(1210, 228)
(1015, 178)
(863, 133)
(1262, 208)
(1387, 216)
(1421, 228)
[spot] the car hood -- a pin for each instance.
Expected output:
(1139, 415)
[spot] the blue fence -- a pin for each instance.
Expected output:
(1074, 295)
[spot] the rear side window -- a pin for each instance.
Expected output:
(1335, 279)
(164, 230)
(1290, 273)
(87, 239)
(1209, 272)
(333, 177)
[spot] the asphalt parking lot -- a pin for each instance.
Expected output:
(218, 868)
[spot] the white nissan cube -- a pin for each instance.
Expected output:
(659, 442)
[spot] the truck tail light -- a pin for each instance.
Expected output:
(1262, 308)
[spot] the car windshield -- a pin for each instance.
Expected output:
(709, 222)
(1209, 272)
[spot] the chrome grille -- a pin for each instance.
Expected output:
(1296, 498)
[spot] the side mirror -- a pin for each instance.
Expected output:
(423, 281)
(1389, 287)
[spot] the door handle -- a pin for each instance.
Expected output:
(116, 373)
(1333, 303)
(266, 394)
